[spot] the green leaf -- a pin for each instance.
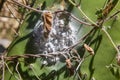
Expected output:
(93, 67)
(32, 68)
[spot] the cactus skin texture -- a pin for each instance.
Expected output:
(100, 66)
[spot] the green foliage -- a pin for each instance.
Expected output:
(101, 66)
(109, 5)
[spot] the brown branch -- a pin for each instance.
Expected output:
(75, 18)
(13, 14)
(40, 11)
(51, 55)
(64, 52)
(30, 8)
(83, 38)
(112, 15)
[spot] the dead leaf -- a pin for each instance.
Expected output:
(118, 59)
(89, 49)
(48, 19)
(69, 66)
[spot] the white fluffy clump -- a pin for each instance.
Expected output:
(60, 37)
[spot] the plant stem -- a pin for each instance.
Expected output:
(103, 29)
(32, 67)
(85, 15)
(3, 68)
(82, 12)
(30, 8)
(81, 39)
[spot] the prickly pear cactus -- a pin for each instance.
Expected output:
(66, 42)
